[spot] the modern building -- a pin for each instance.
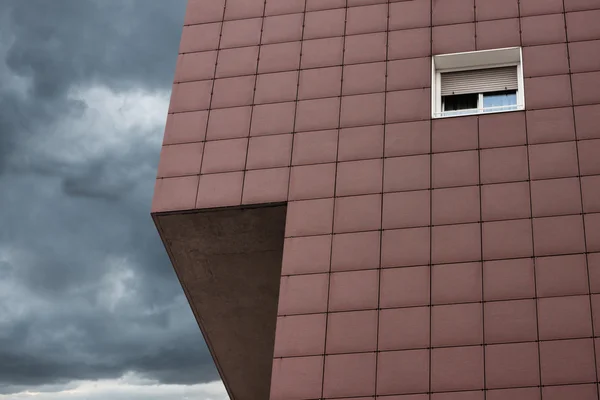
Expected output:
(389, 199)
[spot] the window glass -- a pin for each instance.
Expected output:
(460, 104)
(500, 101)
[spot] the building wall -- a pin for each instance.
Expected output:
(445, 256)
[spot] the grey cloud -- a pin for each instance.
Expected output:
(77, 235)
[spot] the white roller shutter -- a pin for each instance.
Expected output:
(479, 81)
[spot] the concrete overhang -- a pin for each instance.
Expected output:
(229, 264)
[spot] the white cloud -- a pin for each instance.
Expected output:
(128, 387)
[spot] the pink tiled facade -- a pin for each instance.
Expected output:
(447, 259)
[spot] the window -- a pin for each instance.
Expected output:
(477, 82)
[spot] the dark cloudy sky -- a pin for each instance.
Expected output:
(89, 305)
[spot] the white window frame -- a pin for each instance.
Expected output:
(472, 60)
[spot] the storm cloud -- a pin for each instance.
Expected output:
(87, 292)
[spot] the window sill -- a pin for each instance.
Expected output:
(477, 111)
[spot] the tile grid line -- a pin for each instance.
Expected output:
(535, 290)
(595, 356)
(209, 109)
(379, 269)
(430, 350)
(333, 200)
(245, 172)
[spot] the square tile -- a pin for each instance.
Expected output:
(229, 123)
(309, 217)
(455, 205)
(409, 14)
(239, 9)
(269, 151)
(540, 7)
(300, 335)
(561, 275)
(306, 255)
(237, 61)
(589, 162)
(364, 109)
(406, 209)
(220, 190)
(312, 5)
(303, 294)
(315, 147)
(357, 213)
(553, 160)
(507, 239)
(409, 43)
(508, 279)
(457, 368)
(462, 395)
(412, 73)
(406, 173)
(582, 392)
(276, 88)
(453, 38)
(354, 290)
(512, 365)
(457, 324)
(567, 361)
(456, 283)
(553, 125)
(445, 12)
(411, 365)
(321, 24)
(366, 19)
(593, 260)
(365, 48)
(402, 247)
(581, 26)
(409, 138)
(208, 32)
(271, 119)
(543, 29)
(452, 134)
(195, 66)
(510, 321)
(455, 243)
(505, 201)
(202, 11)
(579, 5)
(550, 59)
(404, 287)
(320, 82)
(224, 155)
(498, 34)
(233, 92)
(320, 53)
(279, 57)
(266, 186)
(548, 92)
(590, 188)
(408, 105)
(355, 251)
(456, 169)
(321, 114)
(180, 159)
(361, 143)
(277, 7)
(352, 332)
(585, 56)
(552, 197)
(404, 328)
(507, 164)
(185, 127)
(312, 181)
(502, 129)
(359, 177)
(190, 96)
(175, 194)
(364, 78)
(531, 393)
(245, 32)
(282, 28)
(582, 88)
(491, 9)
(558, 235)
(564, 317)
(297, 377)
